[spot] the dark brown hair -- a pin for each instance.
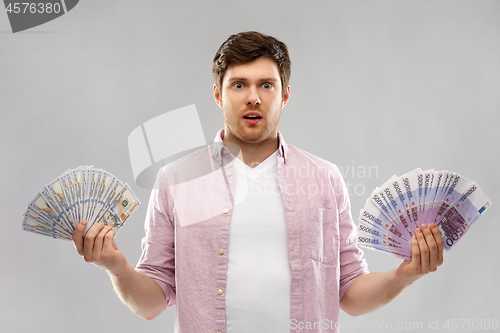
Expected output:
(247, 46)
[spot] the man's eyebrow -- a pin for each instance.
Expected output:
(268, 79)
(236, 79)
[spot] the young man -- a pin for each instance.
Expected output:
(263, 241)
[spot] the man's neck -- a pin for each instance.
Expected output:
(252, 154)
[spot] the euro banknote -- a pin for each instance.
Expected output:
(394, 210)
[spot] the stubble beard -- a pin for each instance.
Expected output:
(252, 137)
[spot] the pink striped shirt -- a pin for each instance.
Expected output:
(187, 229)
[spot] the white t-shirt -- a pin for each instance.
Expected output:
(258, 271)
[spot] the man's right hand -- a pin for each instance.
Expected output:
(99, 247)
(140, 292)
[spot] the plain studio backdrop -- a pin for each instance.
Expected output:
(377, 87)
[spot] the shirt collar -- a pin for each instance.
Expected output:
(218, 149)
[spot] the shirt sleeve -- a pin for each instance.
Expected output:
(352, 263)
(158, 250)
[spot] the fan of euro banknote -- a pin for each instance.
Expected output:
(84, 193)
(394, 210)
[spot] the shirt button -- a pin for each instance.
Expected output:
(226, 210)
(221, 251)
(229, 173)
(219, 292)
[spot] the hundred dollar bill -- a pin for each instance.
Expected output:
(106, 191)
(76, 186)
(103, 182)
(87, 173)
(42, 218)
(64, 183)
(55, 193)
(90, 192)
(95, 189)
(85, 195)
(39, 205)
(35, 226)
(119, 209)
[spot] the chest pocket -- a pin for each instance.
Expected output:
(323, 234)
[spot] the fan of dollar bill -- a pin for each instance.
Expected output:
(85, 193)
(394, 210)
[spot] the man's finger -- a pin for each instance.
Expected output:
(433, 249)
(439, 242)
(88, 243)
(78, 236)
(415, 253)
(109, 244)
(424, 251)
(98, 243)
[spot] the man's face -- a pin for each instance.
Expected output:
(251, 101)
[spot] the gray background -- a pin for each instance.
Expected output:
(388, 84)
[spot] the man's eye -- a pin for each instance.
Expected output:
(238, 86)
(267, 86)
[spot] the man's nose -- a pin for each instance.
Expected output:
(253, 97)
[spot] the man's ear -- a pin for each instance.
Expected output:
(217, 96)
(286, 97)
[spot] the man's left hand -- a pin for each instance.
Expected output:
(427, 247)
